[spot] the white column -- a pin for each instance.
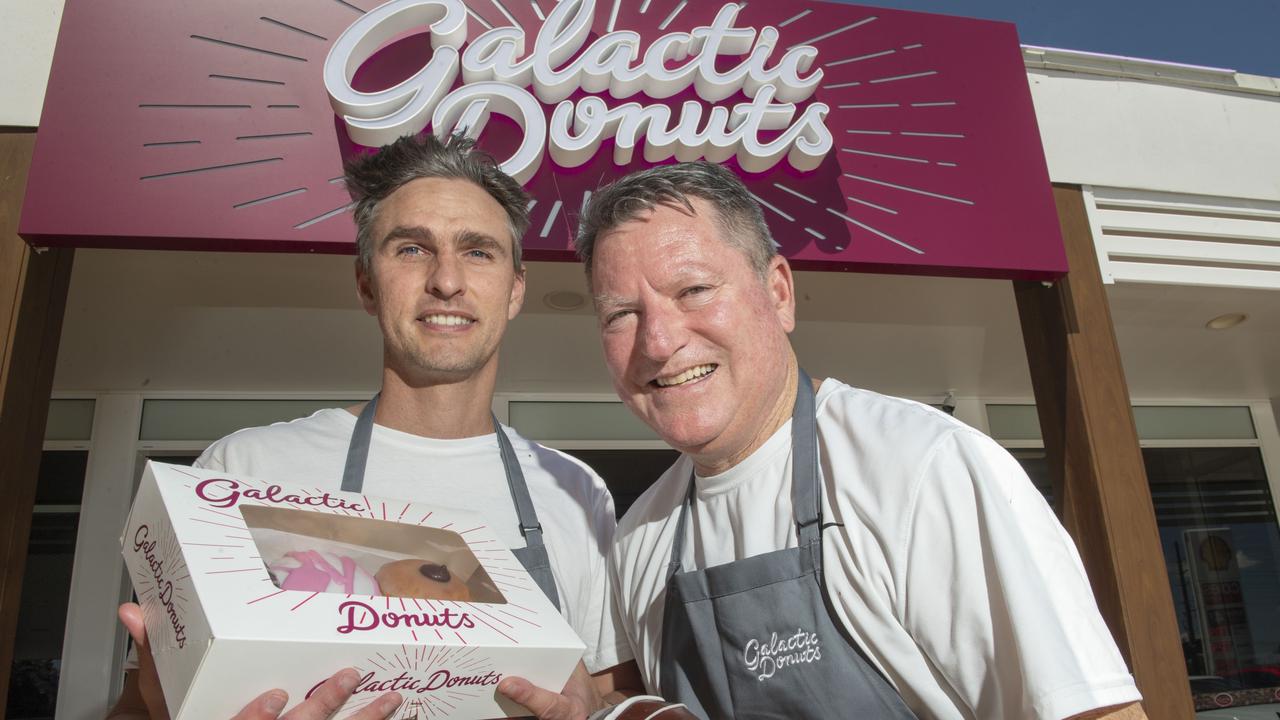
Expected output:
(93, 648)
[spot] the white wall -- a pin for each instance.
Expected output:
(1148, 135)
(28, 30)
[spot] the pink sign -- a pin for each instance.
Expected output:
(876, 140)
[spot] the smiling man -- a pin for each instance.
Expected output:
(818, 551)
(438, 235)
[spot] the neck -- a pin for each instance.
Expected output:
(443, 409)
(779, 413)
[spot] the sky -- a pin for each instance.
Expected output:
(1241, 35)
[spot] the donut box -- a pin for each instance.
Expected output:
(246, 584)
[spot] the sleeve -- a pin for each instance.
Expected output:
(213, 458)
(996, 595)
(607, 645)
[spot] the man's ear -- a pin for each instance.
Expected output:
(782, 291)
(364, 289)
(517, 295)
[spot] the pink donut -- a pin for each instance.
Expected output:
(315, 571)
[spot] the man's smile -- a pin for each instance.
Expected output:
(693, 374)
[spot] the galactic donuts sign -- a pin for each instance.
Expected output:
(874, 139)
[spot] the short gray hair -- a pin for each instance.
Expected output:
(738, 215)
(371, 178)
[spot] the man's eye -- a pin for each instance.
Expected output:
(409, 250)
(694, 290)
(614, 317)
(480, 254)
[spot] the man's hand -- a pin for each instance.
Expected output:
(142, 697)
(578, 699)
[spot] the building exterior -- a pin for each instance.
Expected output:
(162, 352)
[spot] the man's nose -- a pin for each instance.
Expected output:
(447, 278)
(660, 334)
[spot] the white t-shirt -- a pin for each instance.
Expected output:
(946, 565)
(573, 504)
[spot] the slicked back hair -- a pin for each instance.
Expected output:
(737, 214)
(373, 177)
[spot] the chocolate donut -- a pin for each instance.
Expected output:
(421, 579)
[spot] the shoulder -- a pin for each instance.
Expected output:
(880, 417)
(878, 452)
(319, 429)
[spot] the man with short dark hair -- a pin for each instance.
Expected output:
(438, 265)
(818, 551)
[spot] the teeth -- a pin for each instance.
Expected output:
(692, 373)
(447, 320)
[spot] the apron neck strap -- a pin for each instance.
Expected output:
(528, 517)
(806, 495)
(358, 450)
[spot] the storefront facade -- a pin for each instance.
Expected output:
(163, 351)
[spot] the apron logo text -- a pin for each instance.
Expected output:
(766, 658)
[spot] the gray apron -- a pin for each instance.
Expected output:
(533, 556)
(754, 638)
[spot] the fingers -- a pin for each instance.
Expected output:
(266, 706)
(131, 617)
(380, 709)
(335, 691)
(546, 705)
(148, 681)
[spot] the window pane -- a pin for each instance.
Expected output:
(628, 473)
(1154, 422)
(212, 419)
(61, 477)
(1221, 545)
(1013, 422)
(46, 585)
(69, 420)
(548, 421)
(1195, 423)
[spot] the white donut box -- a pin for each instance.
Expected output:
(221, 632)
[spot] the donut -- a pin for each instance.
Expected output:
(421, 579)
(315, 571)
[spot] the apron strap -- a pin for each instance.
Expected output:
(358, 450)
(806, 495)
(677, 547)
(530, 528)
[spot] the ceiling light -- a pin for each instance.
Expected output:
(564, 300)
(1224, 322)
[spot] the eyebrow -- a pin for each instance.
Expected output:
(407, 232)
(609, 302)
(471, 239)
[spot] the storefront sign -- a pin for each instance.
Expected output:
(875, 140)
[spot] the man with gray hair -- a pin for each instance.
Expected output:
(818, 550)
(438, 231)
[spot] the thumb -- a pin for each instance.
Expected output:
(131, 617)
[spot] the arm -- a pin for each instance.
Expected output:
(619, 682)
(994, 593)
(1127, 712)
